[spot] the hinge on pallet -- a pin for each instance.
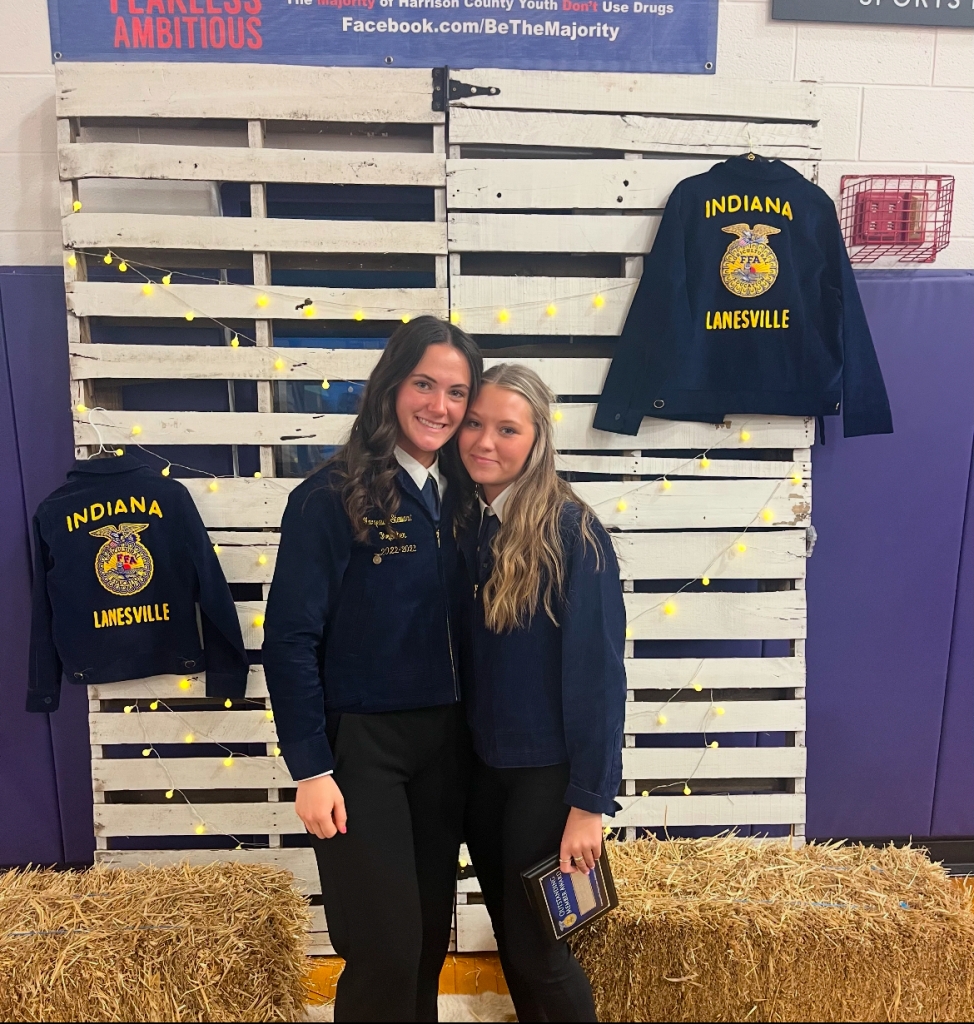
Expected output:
(455, 90)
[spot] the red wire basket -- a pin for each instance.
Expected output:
(903, 215)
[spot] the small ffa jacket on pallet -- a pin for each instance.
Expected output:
(121, 560)
(747, 304)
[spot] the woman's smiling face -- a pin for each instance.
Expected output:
(431, 402)
(496, 439)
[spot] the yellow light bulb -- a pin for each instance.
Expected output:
(607, 831)
(742, 547)
(667, 485)
(127, 709)
(169, 794)
(454, 316)
(235, 342)
(718, 710)
(359, 315)
(406, 318)
(188, 738)
(686, 790)
(669, 608)
(325, 385)
(200, 829)
(262, 559)
(184, 684)
(258, 622)
(714, 745)
(81, 408)
(148, 288)
(598, 301)
(503, 316)
(767, 515)
(276, 751)
(697, 687)
(463, 862)
(228, 762)
(76, 205)
(628, 633)
(136, 430)
(745, 435)
(279, 364)
(621, 505)
(262, 301)
(228, 703)
(118, 451)
(213, 485)
(123, 266)
(557, 415)
(72, 260)
(309, 311)
(216, 549)
(645, 792)
(661, 719)
(796, 479)
(190, 315)
(107, 259)
(167, 279)
(154, 706)
(269, 715)
(258, 475)
(165, 471)
(552, 310)
(706, 581)
(146, 751)
(704, 462)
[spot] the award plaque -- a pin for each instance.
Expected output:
(567, 902)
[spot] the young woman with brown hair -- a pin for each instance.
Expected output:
(544, 682)
(360, 666)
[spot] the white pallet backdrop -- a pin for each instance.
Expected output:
(546, 193)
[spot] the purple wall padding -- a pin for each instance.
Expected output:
(45, 778)
(890, 512)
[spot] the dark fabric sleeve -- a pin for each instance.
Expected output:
(593, 628)
(645, 350)
(223, 646)
(865, 405)
(316, 544)
(44, 675)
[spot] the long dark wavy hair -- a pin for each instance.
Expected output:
(367, 463)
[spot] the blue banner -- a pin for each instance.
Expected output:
(679, 37)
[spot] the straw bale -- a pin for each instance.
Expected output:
(728, 930)
(221, 942)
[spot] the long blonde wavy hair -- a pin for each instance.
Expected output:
(529, 557)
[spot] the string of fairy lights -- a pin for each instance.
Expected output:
(657, 487)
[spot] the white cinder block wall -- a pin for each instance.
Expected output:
(897, 100)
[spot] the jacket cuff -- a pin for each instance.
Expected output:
(575, 796)
(307, 758)
(43, 701)
(617, 419)
(226, 684)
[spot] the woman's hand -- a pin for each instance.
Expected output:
(321, 806)
(581, 842)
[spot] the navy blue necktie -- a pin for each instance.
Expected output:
(431, 495)
(489, 526)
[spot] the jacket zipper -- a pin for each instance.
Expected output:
(449, 632)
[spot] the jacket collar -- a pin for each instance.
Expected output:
(757, 169)
(104, 467)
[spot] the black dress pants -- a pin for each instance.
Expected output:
(388, 882)
(515, 818)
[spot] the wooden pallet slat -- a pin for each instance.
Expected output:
(685, 811)
(704, 718)
(775, 615)
(553, 232)
(173, 818)
(722, 763)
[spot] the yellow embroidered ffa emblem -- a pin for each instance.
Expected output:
(123, 565)
(749, 267)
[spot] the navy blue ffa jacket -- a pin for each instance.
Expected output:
(747, 304)
(121, 561)
(547, 694)
(354, 627)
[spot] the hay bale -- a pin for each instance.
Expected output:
(222, 942)
(728, 930)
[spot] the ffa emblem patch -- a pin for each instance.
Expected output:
(123, 565)
(749, 267)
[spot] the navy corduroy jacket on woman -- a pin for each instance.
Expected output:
(354, 627)
(552, 694)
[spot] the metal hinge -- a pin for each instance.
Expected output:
(456, 90)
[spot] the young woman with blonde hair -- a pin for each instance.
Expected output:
(544, 682)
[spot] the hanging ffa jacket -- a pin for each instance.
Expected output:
(121, 561)
(355, 627)
(747, 304)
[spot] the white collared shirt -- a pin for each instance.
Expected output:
(418, 472)
(497, 506)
